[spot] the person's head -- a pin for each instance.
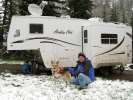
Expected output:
(81, 57)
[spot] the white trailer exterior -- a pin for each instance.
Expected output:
(61, 39)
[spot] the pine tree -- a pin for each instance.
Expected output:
(81, 8)
(6, 18)
(122, 11)
(1, 25)
(104, 13)
(114, 13)
(56, 8)
(10, 9)
(114, 16)
(106, 10)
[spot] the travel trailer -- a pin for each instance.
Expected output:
(61, 39)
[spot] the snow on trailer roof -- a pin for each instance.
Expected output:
(92, 21)
(66, 18)
(51, 17)
(97, 21)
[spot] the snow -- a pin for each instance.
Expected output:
(26, 87)
(128, 67)
(96, 20)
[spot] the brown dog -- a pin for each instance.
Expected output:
(58, 71)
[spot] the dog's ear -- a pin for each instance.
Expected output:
(52, 62)
(57, 62)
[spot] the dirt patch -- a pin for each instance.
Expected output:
(127, 75)
(12, 68)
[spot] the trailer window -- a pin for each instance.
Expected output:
(36, 28)
(85, 36)
(109, 38)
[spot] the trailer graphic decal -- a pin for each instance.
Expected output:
(47, 38)
(128, 34)
(118, 53)
(19, 41)
(51, 43)
(113, 48)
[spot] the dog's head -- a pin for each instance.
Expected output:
(58, 70)
(56, 67)
(54, 64)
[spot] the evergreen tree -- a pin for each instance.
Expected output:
(106, 10)
(114, 14)
(6, 18)
(123, 11)
(104, 13)
(1, 25)
(81, 8)
(10, 9)
(56, 8)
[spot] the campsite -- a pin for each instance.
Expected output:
(66, 49)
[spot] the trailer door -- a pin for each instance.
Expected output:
(86, 42)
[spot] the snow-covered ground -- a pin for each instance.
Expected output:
(20, 87)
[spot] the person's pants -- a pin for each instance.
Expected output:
(82, 80)
(25, 70)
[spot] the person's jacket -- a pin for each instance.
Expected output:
(85, 68)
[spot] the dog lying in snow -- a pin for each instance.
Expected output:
(58, 71)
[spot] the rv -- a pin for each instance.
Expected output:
(61, 39)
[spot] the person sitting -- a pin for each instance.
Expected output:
(26, 68)
(83, 74)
